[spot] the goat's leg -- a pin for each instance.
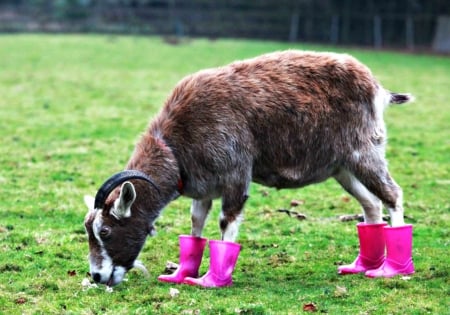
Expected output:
(371, 205)
(233, 201)
(372, 172)
(199, 212)
(375, 176)
(224, 253)
(370, 233)
(191, 246)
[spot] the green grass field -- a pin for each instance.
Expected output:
(72, 108)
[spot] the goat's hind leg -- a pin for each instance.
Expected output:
(373, 173)
(370, 233)
(371, 205)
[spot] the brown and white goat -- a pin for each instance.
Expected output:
(284, 120)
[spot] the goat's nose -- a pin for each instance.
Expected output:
(97, 277)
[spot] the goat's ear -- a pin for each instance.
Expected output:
(89, 201)
(122, 206)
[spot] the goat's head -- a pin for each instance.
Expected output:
(116, 233)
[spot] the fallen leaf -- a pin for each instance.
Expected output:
(359, 217)
(280, 258)
(71, 273)
(310, 307)
(174, 292)
(295, 214)
(21, 300)
(351, 217)
(300, 216)
(264, 193)
(295, 203)
(10, 267)
(345, 199)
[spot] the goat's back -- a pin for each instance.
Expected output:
(285, 119)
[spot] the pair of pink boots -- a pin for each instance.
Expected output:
(374, 240)
(223, 258)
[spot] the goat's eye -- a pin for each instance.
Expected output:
(105, 231)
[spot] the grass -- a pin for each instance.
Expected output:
(72, 108)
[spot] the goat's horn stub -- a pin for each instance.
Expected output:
(117, 179)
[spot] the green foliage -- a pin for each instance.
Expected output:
(72, 108)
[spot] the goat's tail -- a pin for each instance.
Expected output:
(400, 98)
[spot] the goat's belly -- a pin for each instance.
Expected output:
(291, 177)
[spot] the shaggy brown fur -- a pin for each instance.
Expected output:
(284, 120)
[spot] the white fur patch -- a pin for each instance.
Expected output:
(397, 218)
(117, 277)
(97, 225)
(109, 273)
(356, 155)
(231, 232)
(372, 206)
(381, 101)
(291, 173)
(199, 214)
(105, 268)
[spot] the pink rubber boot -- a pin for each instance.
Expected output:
(398, 253)
(191, 253)
(371, 249)
(223, 258)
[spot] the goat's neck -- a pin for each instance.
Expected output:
(153, 157)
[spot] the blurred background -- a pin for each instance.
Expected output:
(415, 25)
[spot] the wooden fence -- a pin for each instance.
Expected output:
(322, 21)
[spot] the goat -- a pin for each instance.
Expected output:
(284, 119)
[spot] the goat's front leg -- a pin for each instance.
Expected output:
(191, 246)
(231, 216)
(224, 254)
(199, 212)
